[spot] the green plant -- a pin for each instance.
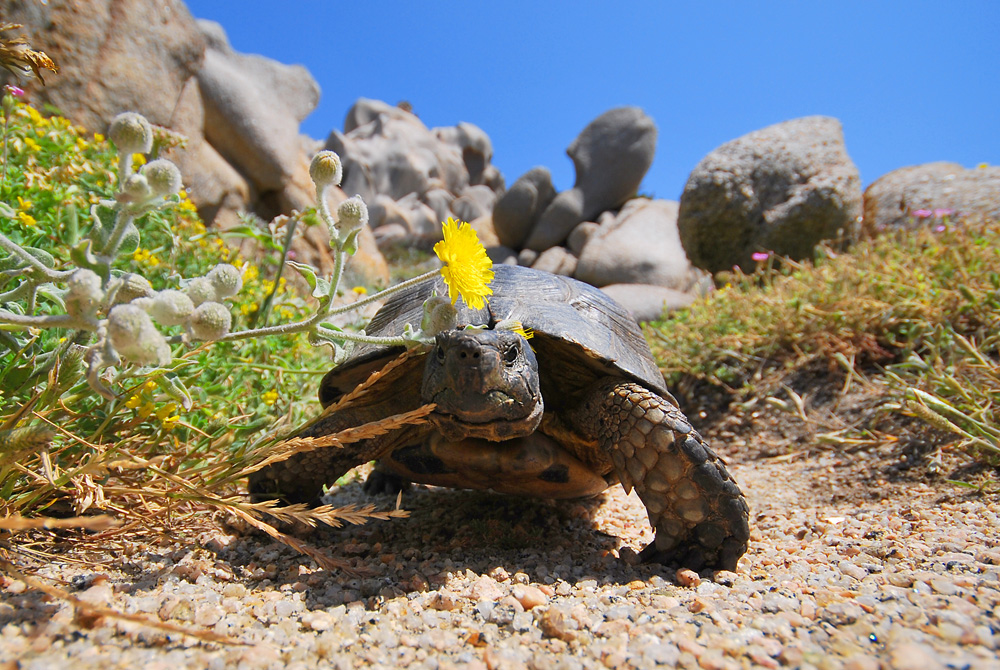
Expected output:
(919, 308)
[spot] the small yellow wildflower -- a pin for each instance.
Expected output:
(164, 412)
(98, 137)
(23, 204)
(270, 397)
(133, 402)
(138, 160)
(146, 410)
(31, 144)
(150, 385)
(26, 219)
(360, 290)
(251, 273)
(81, 143)
(467, 270)
(286, 313)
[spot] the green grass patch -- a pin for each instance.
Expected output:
(919, 308)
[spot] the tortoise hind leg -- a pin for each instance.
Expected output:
(695, 506)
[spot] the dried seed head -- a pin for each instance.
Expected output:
(326, 169)
(210, 321)
(131, 133)
(226, 279)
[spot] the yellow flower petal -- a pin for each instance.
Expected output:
(467, 270)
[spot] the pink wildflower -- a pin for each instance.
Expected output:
(15, 91)
(760, 256)
(923, 213)
(939, 229)
(938, 213)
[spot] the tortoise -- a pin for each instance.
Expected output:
(575, 409)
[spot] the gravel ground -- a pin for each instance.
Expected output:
(843, 571)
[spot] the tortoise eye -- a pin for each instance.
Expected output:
(510, 356)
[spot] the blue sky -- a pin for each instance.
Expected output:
(912, 82)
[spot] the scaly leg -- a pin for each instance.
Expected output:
(698, 511)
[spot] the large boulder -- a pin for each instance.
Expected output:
(518, 210)
(391, 152)
(113, 56)
(639, 246)
(253, 108)
(784, 188)
(891, 200)
(390, 156)
(646, 302)
(611, 156)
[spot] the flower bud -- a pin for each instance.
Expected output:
(163, 176)
(84, 293)
(326, 169)
(135, 338)
(131, 133)
(352, 213)
(439, 315)
(200, 289)
(132, 286)
(135, 188)
(210, 321)
(226, 279)
(170, 307)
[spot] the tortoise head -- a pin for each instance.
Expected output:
(485, 385)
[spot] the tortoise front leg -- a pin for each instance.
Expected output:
(697, 509)
(300, 478)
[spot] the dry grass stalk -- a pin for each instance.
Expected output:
(322, 560)
(94, 612)
(93, 523)
(19, 59)
(361, 389)
(298, 445)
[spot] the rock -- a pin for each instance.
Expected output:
(646, 302)
(484, 229)
(970, 194)
(501, 255)
(253, 107)
(474, 145)
(527, 257)
(784, 189)
(517, 211)
(440, 200)
(389, 151)
(474, 202)
(611, 156)
(556, 260)
(113, 56)
(577, 240)
(640, 246)
(529, 596)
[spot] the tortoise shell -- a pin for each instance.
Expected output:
(580, 334)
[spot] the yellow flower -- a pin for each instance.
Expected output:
(23, 204)
(26, 219)
(526, 333)
(133, 402)
(468, 270)
(270, 397)
(138, 160)
(31, 144)
(360, 290)
(98, 137)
